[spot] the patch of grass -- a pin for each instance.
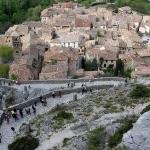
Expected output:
(25, 143)
(65, 140)
(96, 117)
(97, 100)
(87, 114)
(96, 139)
(63, 115)
(107, 105)
(147, 108)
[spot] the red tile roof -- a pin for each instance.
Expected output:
(82, 22)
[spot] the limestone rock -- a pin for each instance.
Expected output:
(139, 136)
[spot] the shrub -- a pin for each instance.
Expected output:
(96, 139)
(65, 140)
(25, 143)
(63, 115)
(147, 108)
(4, 69)
(6, 51)
(74, 77)
(14, 77)
(140, 91)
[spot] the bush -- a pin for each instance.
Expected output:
(4, 70)
(14, 77)
(24, 143)
(140, 91)
(147, 108)
(74, 77)
(63, 115)
(96, 139)
(115, 139)
(5, 51)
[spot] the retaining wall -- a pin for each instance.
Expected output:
(66, 80)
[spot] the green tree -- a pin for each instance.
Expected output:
(127, 73)
(6, 51)
(119, 70)
(4, 70)
(140, 91)
(101, 60)
(110, 67)
(88, 65)
(94, 64)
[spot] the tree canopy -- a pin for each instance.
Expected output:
(6, 51)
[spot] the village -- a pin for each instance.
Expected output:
(69, 34)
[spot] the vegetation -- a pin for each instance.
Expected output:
(101, 60)
(96, 139)
(14, 77)
(140, 91)
(63, 115)
(119, 70)
(4, 70)
(94, 64)
(99, 34)
(115, 139)
(147, 108)
(88, 65)
(5, 51)
(25, 143)
(74, 77)
(127, 73)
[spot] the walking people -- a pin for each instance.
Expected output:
(35, 101)
(59, 94)
(53, 94)
(26, 109)
(45, 102)
(13, 129)
(0, 138)
(21, 112)
(34, 109)
(8, 118)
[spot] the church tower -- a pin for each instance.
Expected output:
(17, 47)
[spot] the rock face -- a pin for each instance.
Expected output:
(138, 138)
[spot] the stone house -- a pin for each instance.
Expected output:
(35, 26)
(22, 30)
(141, 71)
(29, 59)
(144, 54)
(60, 63)
(109, 56)
(130, 61)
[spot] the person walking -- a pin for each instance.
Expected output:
(35, 101)
(0, 138)
(13, 129)
(59, 94)
(34, 109)
(21, 112)
(53, 94)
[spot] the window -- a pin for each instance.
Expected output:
(17, 52)
(106, 60)
(104, 65)
(111, 61)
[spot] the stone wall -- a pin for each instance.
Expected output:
(47, 95)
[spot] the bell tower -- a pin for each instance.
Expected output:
(17, 47)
